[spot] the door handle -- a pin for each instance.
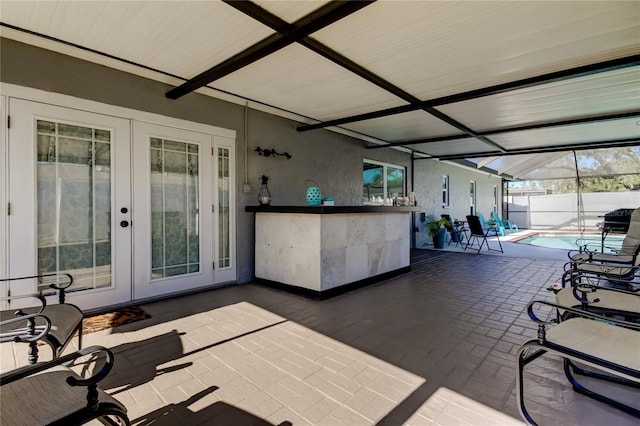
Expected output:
(124, 223)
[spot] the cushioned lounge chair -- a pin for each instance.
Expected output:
(506, 224)
(491, 224)
(606, 344)
(628, 252)
(50, 393)
(65, 318)
(477, 233)
(619, 275)
(601, 300)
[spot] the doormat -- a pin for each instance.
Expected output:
(113, 319)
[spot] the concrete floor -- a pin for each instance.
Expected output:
(435, 346)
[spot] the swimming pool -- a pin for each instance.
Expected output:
(567, 241)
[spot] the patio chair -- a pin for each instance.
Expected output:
(65, 318)
(607, 344)
(619, 275)
(50, 393)
(628, 252)
(456, 230)
(488, 224)
(601, 300)
(478, 233)
(507, 224)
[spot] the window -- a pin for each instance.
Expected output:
(445, 190)
(472, 197)
(381, 182)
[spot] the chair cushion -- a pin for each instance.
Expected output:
(600, 339)
(65, 318)
(601, 257)
(606, 300)
(43, 398)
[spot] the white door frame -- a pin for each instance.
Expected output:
(23, 221)
(221, 137)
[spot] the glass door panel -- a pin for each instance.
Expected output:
(175, 239)
(74, 203)
(173, 214)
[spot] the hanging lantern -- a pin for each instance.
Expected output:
(264, 196)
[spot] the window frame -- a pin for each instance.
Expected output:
(446, 195)
(473, 192)
(387, 200)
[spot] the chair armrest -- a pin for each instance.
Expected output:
(27, 333)
(27, 371)
(576, 311)
(63, 282)
(41, 298)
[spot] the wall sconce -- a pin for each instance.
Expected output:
(272, 153)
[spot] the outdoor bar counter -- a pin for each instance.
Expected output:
(324, 250)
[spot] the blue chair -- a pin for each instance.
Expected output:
(492, 224)
(505, 223)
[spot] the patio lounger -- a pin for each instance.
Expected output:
(65, 318)
(491, 224)
(608, 345)
(618, 275)
(601, 300)
(629, 251)
(478, 233)
(50, 393)
(507, 224)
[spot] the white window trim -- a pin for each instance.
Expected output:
(473, 201)
(387, 197)
(446, 192)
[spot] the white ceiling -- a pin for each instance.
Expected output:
(426, 49)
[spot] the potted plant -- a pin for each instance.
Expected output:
(438, 232)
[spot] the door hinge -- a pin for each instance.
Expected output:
(213, 208)
(8, 209)
(214, 266)
(212, 151)
(8, 121)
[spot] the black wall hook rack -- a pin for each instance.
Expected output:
(272, 153)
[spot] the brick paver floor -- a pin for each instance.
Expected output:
(433, 346)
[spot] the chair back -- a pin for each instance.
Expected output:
(495, 216)
(631, 242)
(483, 222)
(475, 226)
(449, 227)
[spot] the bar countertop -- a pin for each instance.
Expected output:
(331, 209)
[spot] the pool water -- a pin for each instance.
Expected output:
(568, 241)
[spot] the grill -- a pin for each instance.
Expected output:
(617, 221)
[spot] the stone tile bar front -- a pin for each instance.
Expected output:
(321, 249)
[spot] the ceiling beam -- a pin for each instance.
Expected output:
(280, 25)
(582, 71)
(286, 35)
(615, 143)
(573, 121)
(486, 161)
(539, 160)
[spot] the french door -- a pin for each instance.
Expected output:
(174, 210)
(132, 210)
(69, 192)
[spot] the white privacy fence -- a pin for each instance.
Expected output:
(560, 211)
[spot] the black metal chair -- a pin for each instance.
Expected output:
(456, 231)
(65, 318)
(50, 393)
(477, 233)
(606, 344)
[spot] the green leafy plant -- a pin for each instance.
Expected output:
(433, 227)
